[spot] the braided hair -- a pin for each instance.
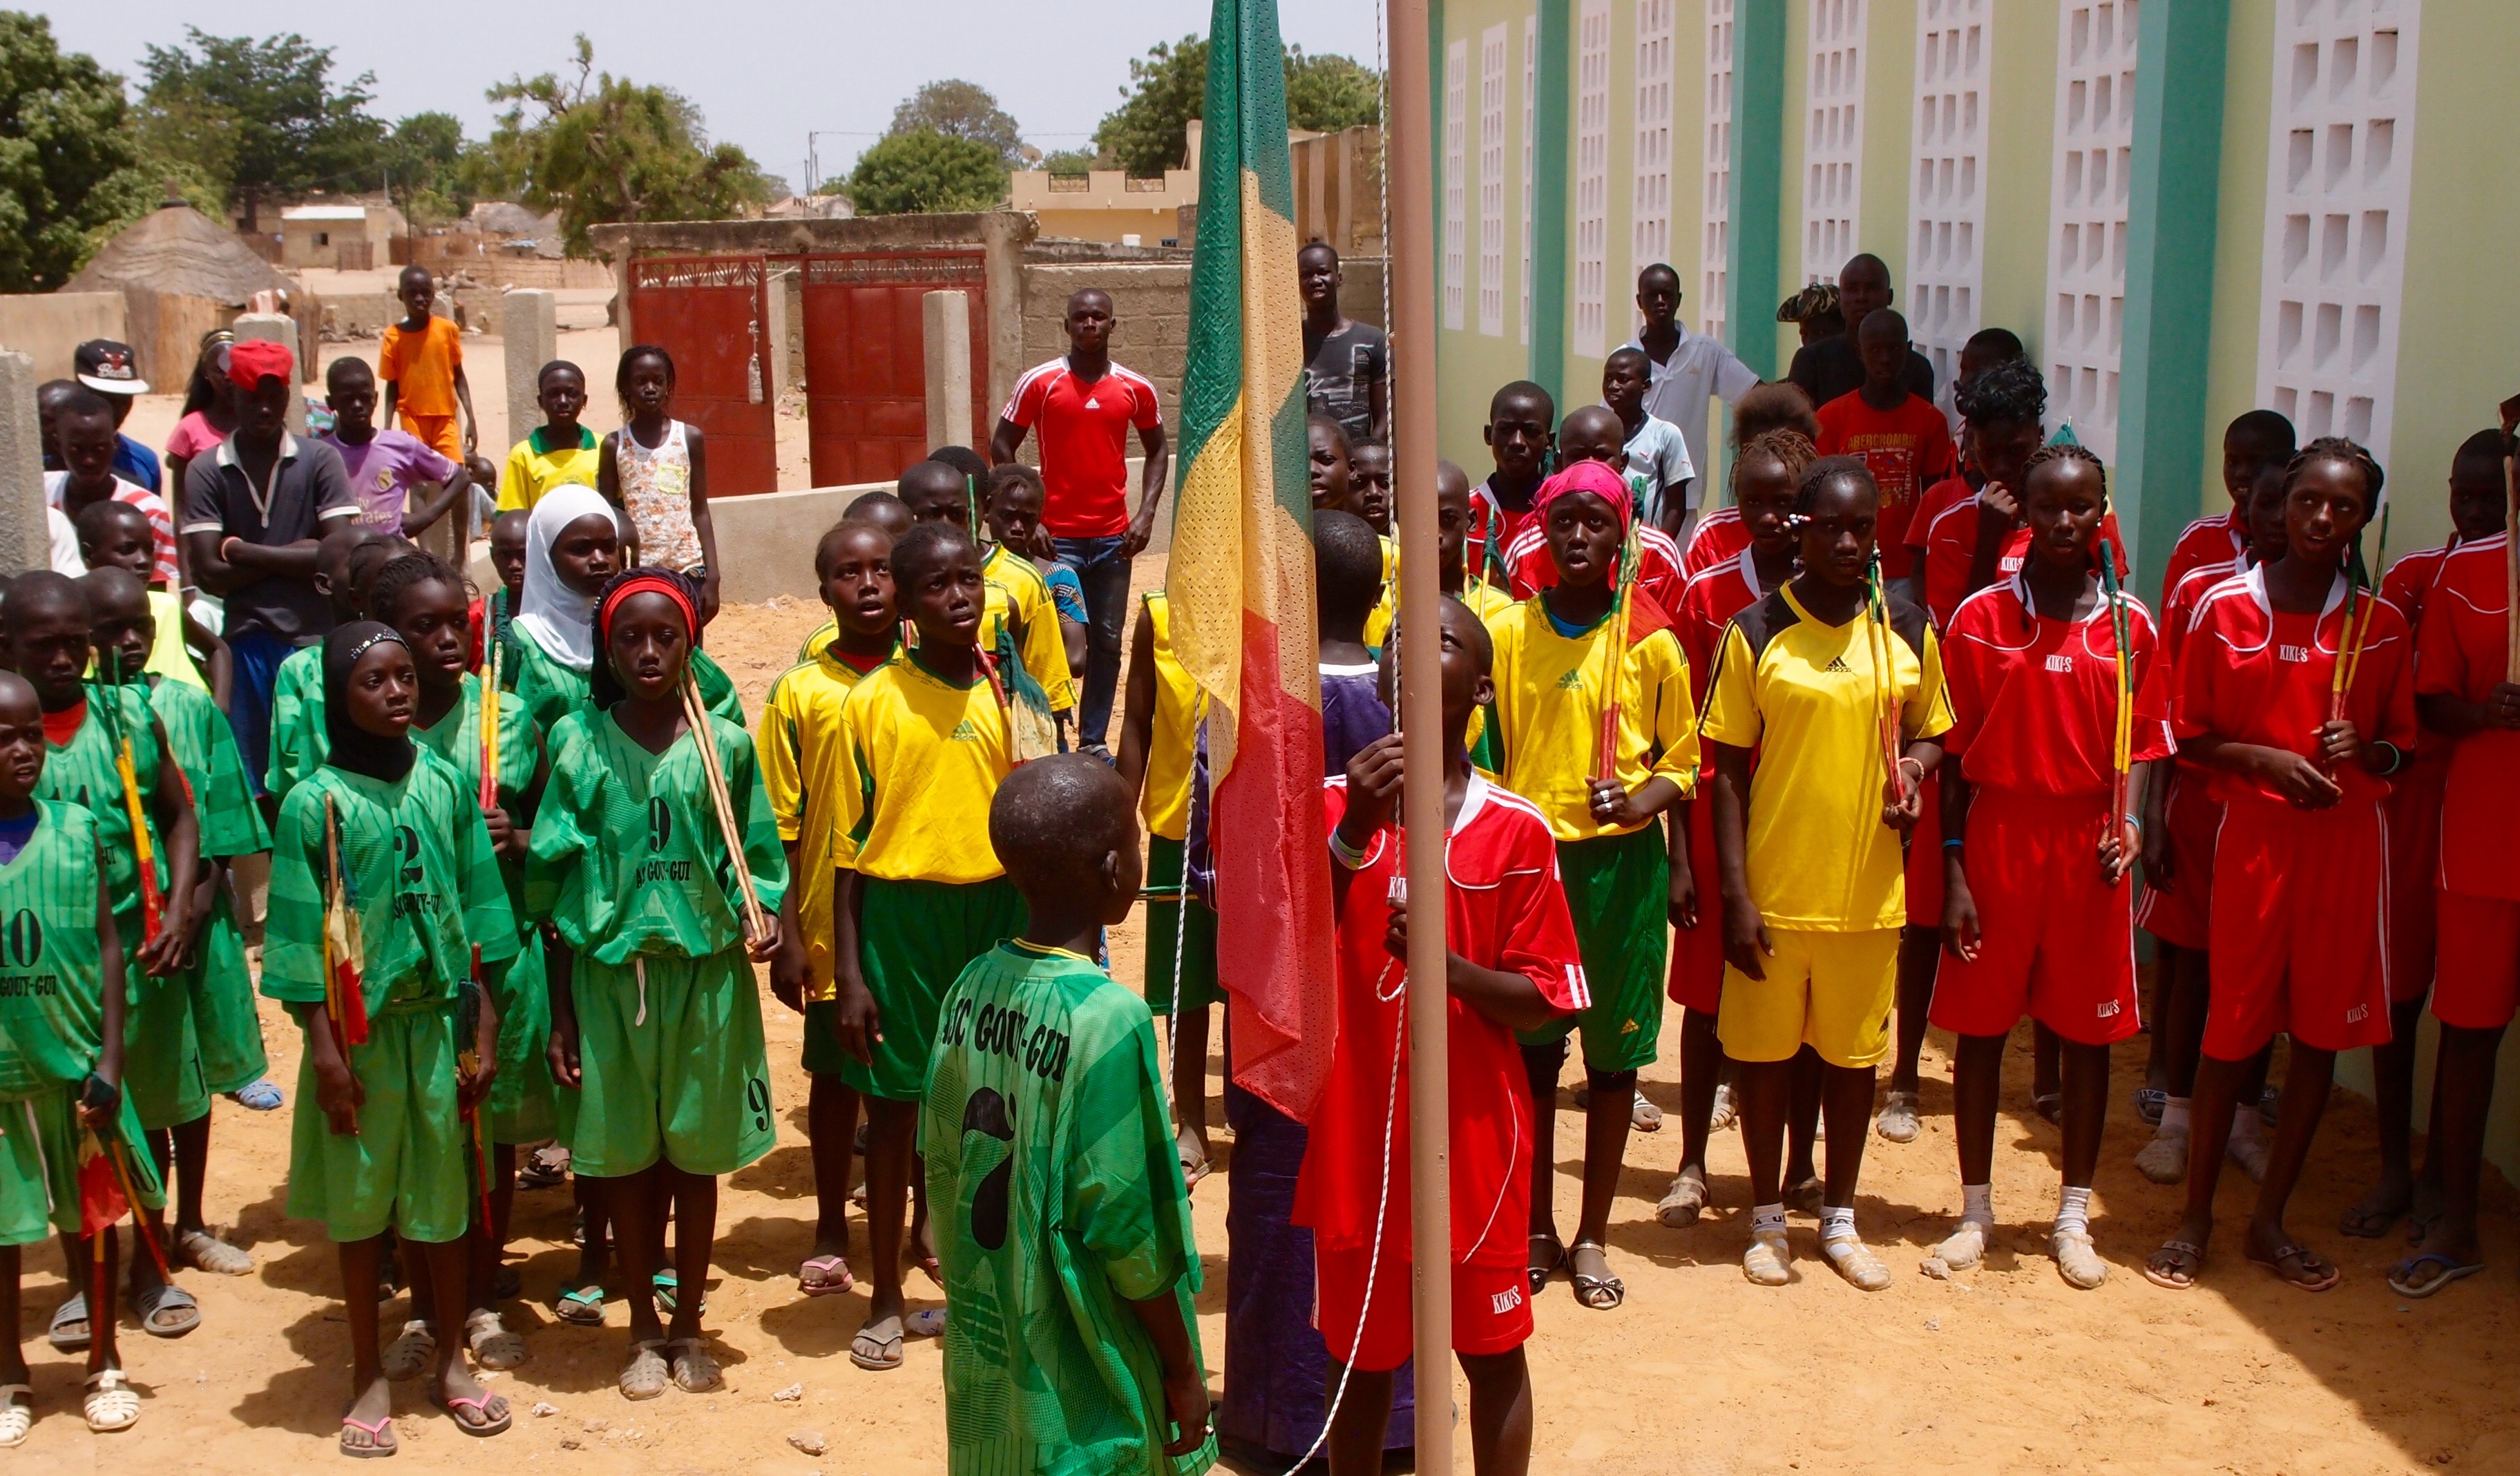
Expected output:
(1788, 448)
(407, 572)
(2064, 451)
(2337, 448)
(1828, 469)
(2010, 391)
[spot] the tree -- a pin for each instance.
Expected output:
(422, 164)
(1149, 131)
(926, 172)
(1073, 161)
(958, 109)
(65, 158)
(602, 149)
(262, 119)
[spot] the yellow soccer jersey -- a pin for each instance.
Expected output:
(1549, 694)
(1016, 595)
(1485, 599)
(803, 760)
(923, 758)
(1809, 696)
(1164, 801)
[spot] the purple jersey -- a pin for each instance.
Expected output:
(384, 471)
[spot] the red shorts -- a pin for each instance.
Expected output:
(1697, 953)
(2180, 915)
(2056, 941)
(2300, 927)
(1925, 858)
(2480, 962)
(1491, 1313)
(2414, 810)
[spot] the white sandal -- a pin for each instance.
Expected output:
(409, 1355)
(112, 1404)
(17, 1413)
(1966, 1247)
(1767, 1262)
(2076, 1259)
(1856, 1261)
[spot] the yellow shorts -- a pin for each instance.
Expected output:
(1829, 991)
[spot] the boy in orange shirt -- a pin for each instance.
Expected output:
(421, 363)
(1903, 441)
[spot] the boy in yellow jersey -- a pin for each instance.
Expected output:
(1841, 694)
(559, 451)
(1595, 655)
(1453, 536)
(1158, 734)
(926, 741)
(801, 759)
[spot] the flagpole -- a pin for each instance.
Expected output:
(1407, 161)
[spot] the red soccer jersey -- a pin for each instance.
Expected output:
(1505, 909)
(2033, 701)
(1529, 570)
(2207, 542)
(1494, 527)
(2463, 651)
(1950, 549)
(1940, 497)
(1908, 450)
(1084, 431)
(1710, 601)
(2257, 677)
(1720, 535)
(2409, 585)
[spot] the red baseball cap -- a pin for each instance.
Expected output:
(250, 359)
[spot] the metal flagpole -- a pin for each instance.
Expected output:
(1407, 161)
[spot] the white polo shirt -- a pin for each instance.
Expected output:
(1658, 456)
(1700, 369)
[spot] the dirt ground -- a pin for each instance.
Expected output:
(1699, 1374)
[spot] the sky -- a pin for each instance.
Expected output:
(764, 74)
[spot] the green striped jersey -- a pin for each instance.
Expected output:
(205, 750)
(82, 772)
(298, 740)
(52, 1000)
(456, 739)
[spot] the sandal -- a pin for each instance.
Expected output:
(479, 1403)
(2402, 1277)
(669, 1293)
(1963, 1249)
(693, 1370)
(16, 1414)
(2375, 1217)
(2176, 1265)
(2049, 1106)
(1805, 1195)
(545, 1167)
(1540, 1270)
(411, 1353)
(2164, 1159)
(643, 1375)
(1601, 1293)
(493, 1346)
(1726, 1113)
(2316, 1274)
(169, 1301)
(1643, 1116)
(1897, 1120)
(380, 1441)
(2149, 1102)
(69, 1334)
(1687, 1201)
(257, 1097)
(580, 1305)
(112, 1404)
(926, 1322)
(1194, 1158)
(2076, 1261)
(1767, 1262)
(876, 1348)
(507, 1285)
(203, 1251)
(1854, 1259)
(824, 1275)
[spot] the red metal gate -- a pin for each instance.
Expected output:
(866, 362)
(707, 312)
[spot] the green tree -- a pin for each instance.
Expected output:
(958, 109)
(1073, 161)
(598, 149)
(1149, 131)
(65, 158)
(926, 172)
(422, 163)
(262, 119)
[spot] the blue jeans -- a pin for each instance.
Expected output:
(257, 654)
(1103, 571)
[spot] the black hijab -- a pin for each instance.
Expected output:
(353, 747)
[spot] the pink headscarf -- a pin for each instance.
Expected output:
(1591, 476)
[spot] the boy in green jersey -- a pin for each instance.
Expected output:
(218, 988)
(62, 1010)
(348, 555)
(1060, 1215)
(107, 753)
(656, 1043)
(383, 883)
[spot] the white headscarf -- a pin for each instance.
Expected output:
(557, 619)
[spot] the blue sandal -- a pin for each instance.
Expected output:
(2402, 1277)
(580, 1305)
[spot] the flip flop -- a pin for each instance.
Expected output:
(934, 1269)
(70, 1314)
(1538, 1271)
(669, 1293)
(2310, 1265)
(2176, 1265)
(111, 1402)
(2364, 1222)
(1194, 1169)
(2453, 1269)
(1601, 1293)
(644, 1376)
(693, 1370)
(580, 1305)
(2149, 1102)
(816, 1277)
(412, 1351)
(2048, 1104)
(1643, 1116)
(493, 1346)
(546, 1167)
(166, 1297)
(16, 1414)
(380, 1437)
(875, 1347)
(479, 1404)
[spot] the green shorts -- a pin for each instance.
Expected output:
(522, 1108)
(1619, 889)
(823, 1054)
(39, 1164)
(915, 939)
(406, 1170)
(225, 1026)
(1198, 946)
(673, 1066)
(163, 1070)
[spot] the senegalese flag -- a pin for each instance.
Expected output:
(1241, 575)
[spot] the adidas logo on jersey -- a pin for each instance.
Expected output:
(2300, 653)
(1572, 681)
(964, 733)
(2062, 662)
(1093, 404)
(1838, 663)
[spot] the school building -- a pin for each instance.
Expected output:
(2184, 208)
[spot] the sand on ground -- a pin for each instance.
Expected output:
(1700, 1374)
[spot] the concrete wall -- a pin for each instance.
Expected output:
(47, 327)
(1151, 303)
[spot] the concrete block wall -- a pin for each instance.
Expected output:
(1149, 299)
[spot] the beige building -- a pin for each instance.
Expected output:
(1107, 205)
(350, 234)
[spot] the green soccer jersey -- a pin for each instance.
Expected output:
(1058, 1195)
(51, 998)
(420, 876)
(499, 619)
(550, 691)
(82, 772)
(297, 740)
(206, 750)
(456, 739)
(627, 855)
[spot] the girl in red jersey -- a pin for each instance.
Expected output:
(2297, 946)
(2038, 913)
(1765, 473)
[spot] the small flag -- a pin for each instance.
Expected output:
(102, 1201)
(345, 1000)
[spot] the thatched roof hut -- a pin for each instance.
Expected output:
(182, 273)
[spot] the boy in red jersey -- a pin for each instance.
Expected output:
(2038, 915)
(1522, 432)
(1903, 439)
(1593, 433)
(2254, 442)
(2001, 408)
(1512, 967)
(2296, 947)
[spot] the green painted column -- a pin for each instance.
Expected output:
(2170, 273)
(1758, 179)
(1552, 114)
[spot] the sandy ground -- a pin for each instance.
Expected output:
(1700, 1374)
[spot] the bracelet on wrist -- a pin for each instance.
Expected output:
(1952, 842)
(1347, 856)
(2137, 822)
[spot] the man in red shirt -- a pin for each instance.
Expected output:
(1512, 965)
(1085, 405)
(1903, 441)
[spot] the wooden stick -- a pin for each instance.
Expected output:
(1606, 754)
(697, 714)
(1885, 677)
(2510, 574)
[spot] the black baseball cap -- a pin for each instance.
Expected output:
(107, 368)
